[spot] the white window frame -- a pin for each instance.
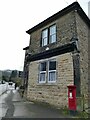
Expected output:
(40, 75)
(47, 71)
(49, 81)
(40, 72)
(43, 38)
(51, 71)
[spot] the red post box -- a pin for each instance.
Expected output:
(72, 97)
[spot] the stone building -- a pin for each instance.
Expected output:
(26, 67)
(58, 57)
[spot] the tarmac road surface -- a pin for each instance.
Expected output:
(17, 107)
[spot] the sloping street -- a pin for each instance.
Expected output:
(3, 106)
(13, 106)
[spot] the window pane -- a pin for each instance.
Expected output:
(43, 66)
(52, 65)
(42, 77)
(52, 76)
(45, 33)
(44, 42)
(52, 29)
(53, 38)
(52, 34)
(44, 37)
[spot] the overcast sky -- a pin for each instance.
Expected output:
(16, 17)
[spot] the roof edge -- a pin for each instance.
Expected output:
(73, 6)
(53, 52)
(55, 16)
(26, 48)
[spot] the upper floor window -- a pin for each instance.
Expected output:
(49, 35)
(52, 34)
(44, 37)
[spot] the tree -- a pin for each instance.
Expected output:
(13, 76)
(6, 75)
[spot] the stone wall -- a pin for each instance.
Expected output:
(55, 93)
(82, 34)
(66, 29)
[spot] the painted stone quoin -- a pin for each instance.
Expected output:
(57, 56)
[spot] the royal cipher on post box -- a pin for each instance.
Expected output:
(72, 97)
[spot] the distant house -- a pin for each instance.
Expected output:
(57, 57)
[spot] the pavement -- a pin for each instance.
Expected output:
(17, 107)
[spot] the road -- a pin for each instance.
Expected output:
(13, 106)
(3, 106)
(5, 91)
